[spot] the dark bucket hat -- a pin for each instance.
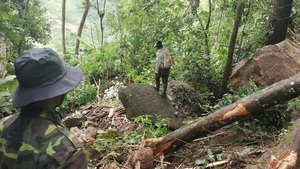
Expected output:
(42, 75)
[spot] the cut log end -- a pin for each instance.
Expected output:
(157, 148)
(239, 110)
(287, 159)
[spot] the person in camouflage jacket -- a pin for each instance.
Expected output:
(35, 138)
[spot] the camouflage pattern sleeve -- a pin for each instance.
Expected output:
(39, 142)
(76, 159)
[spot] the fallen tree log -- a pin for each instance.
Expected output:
(285, 154)
(279, 92)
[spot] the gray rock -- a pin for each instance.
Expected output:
(142, 99)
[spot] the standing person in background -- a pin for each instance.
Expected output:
(36, 137)
(161, 71)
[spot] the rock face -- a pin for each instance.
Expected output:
(142, 99)
(268, 65)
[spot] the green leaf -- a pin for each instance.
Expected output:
(4, 8)
(200, 162)
(16, 20)
(5, 94)
(250, 151)
(210, 155)
(219, 157)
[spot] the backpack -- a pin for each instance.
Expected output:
(167, 61)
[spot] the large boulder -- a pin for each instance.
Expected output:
(143, 99)
(268, 65)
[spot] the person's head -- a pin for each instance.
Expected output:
(158, 45)
(43, 78)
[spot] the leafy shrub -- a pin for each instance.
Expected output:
(7, 87)
(122, 143)
(150, 129)
(200, 71)
(83, 93)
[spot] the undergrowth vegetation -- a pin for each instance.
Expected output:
(7, 88)
(82, 94)
(123, 143)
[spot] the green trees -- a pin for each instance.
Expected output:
(26, 27)
(235, 29)
(197, 33)
(10, 22)
(22, 27)
(80, 28)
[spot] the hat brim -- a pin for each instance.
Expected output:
(69, 81)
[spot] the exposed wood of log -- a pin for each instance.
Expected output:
(250, 105)
(285, 154)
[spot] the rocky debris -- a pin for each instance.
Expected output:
(270, 64)
(103, 116)
(186, 100)
(82, 136)
(106, 117)
(74, 122)
(141, 159)
(100, 118)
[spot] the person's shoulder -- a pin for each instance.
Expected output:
(56, 138)
(159, 51)
(70, 137)
(45, 131)
(56, 130)
(165, 49)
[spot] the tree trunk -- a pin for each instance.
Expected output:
(238, 16)
(270, 96)
(24, 18)
(79, 32)
(63, 25)
(195, 5)
(101, 16)
(279, 21)
(206, 30)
